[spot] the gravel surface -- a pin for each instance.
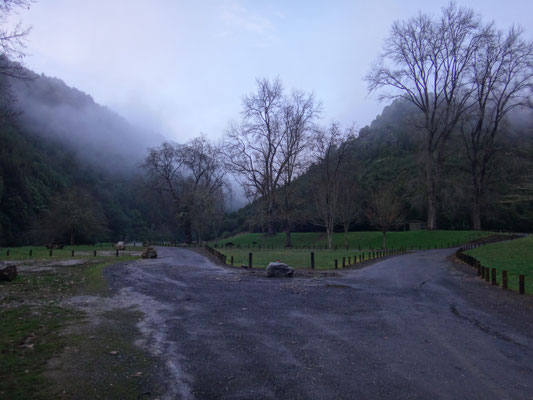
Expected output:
(411, 326)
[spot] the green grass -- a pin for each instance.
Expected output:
(356, 240)
(41, 252)
(296, 258)
(31, 322)
(515, 256)
(29, 337)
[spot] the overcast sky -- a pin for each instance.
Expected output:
(181, 67)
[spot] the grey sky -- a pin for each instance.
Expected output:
(181, 67)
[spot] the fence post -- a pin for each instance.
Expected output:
(343, 262)
(336, 264)
(487, 274)
(51, 252)
(349, 260)
(312, 260)
(116, 253)
(231, 260)
(493, 280)
(7, 252)
(94, 253)
(521, 284)
(31, 252)
(504, 279)
(72, 253)
(250, 257)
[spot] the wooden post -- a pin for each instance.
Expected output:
(116, 253)
(343, 262)
(225, 259)
(31, 252)
(231, 260)
(336, 264)
(493, 277)
(51, 253)
(349, 260)
(487, 274)
(312, 260)
(72, 253)
(478, 269)
(521, 284)
(504, 279)
(250, 259)
(94, 253)
(7, 252)
(482, 272)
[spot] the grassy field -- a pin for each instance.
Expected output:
(296, 258)
(41, 252)
(33, 319)
(359, 240)
(515, 256)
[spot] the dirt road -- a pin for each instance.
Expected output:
(411, 326)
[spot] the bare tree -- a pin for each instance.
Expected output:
(192, 176)
(11, 52)
(502, 78)
(348, 203)
(426, 61)
(384, 210)
(265, 151)
(330, 148)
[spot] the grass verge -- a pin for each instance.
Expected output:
(359, 240)
(515, 256)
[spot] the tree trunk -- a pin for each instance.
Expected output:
(346, 227)
(329, 232)
(384, 240)
(431, 193)
(288, 237)
(187, 228)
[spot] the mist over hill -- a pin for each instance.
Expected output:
(51, 109)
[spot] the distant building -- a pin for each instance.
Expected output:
(415, 225)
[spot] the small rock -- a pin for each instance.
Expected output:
(278, 270)
(8, 273)
(149, 253)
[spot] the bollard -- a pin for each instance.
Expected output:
(231, 260)
(336, 264)
(482, 272)
(94, 253)
(355, 259)
(504, 279)
(72, 253)
(312, 260)
(493, 277)
(478, 269)
(250, 256)
(343, 262)
(521, 284)
(349, 260)
(7, 252)
(31, 252)
(225, 259)
(487, 274)
(51, 252)
(116, 253)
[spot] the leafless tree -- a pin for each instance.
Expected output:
(501, 77)
(192, 175)
(425, 61)
(266, 150)
(11, 52)
(349, 205)
(384, 210)
(330, 149)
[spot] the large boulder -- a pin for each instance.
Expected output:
(278, 270)
(120, 246)
(149, 253)
(8, 273)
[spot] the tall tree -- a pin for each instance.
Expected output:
(266, 149)
(425, 61)
(501, 77)
(384, 210)
(330, 149)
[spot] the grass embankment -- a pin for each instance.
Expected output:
(33, 317)
(41, 252)
(359, 240)
(515, 256)
(296, 258)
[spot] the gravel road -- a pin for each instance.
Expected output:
(408, 327)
